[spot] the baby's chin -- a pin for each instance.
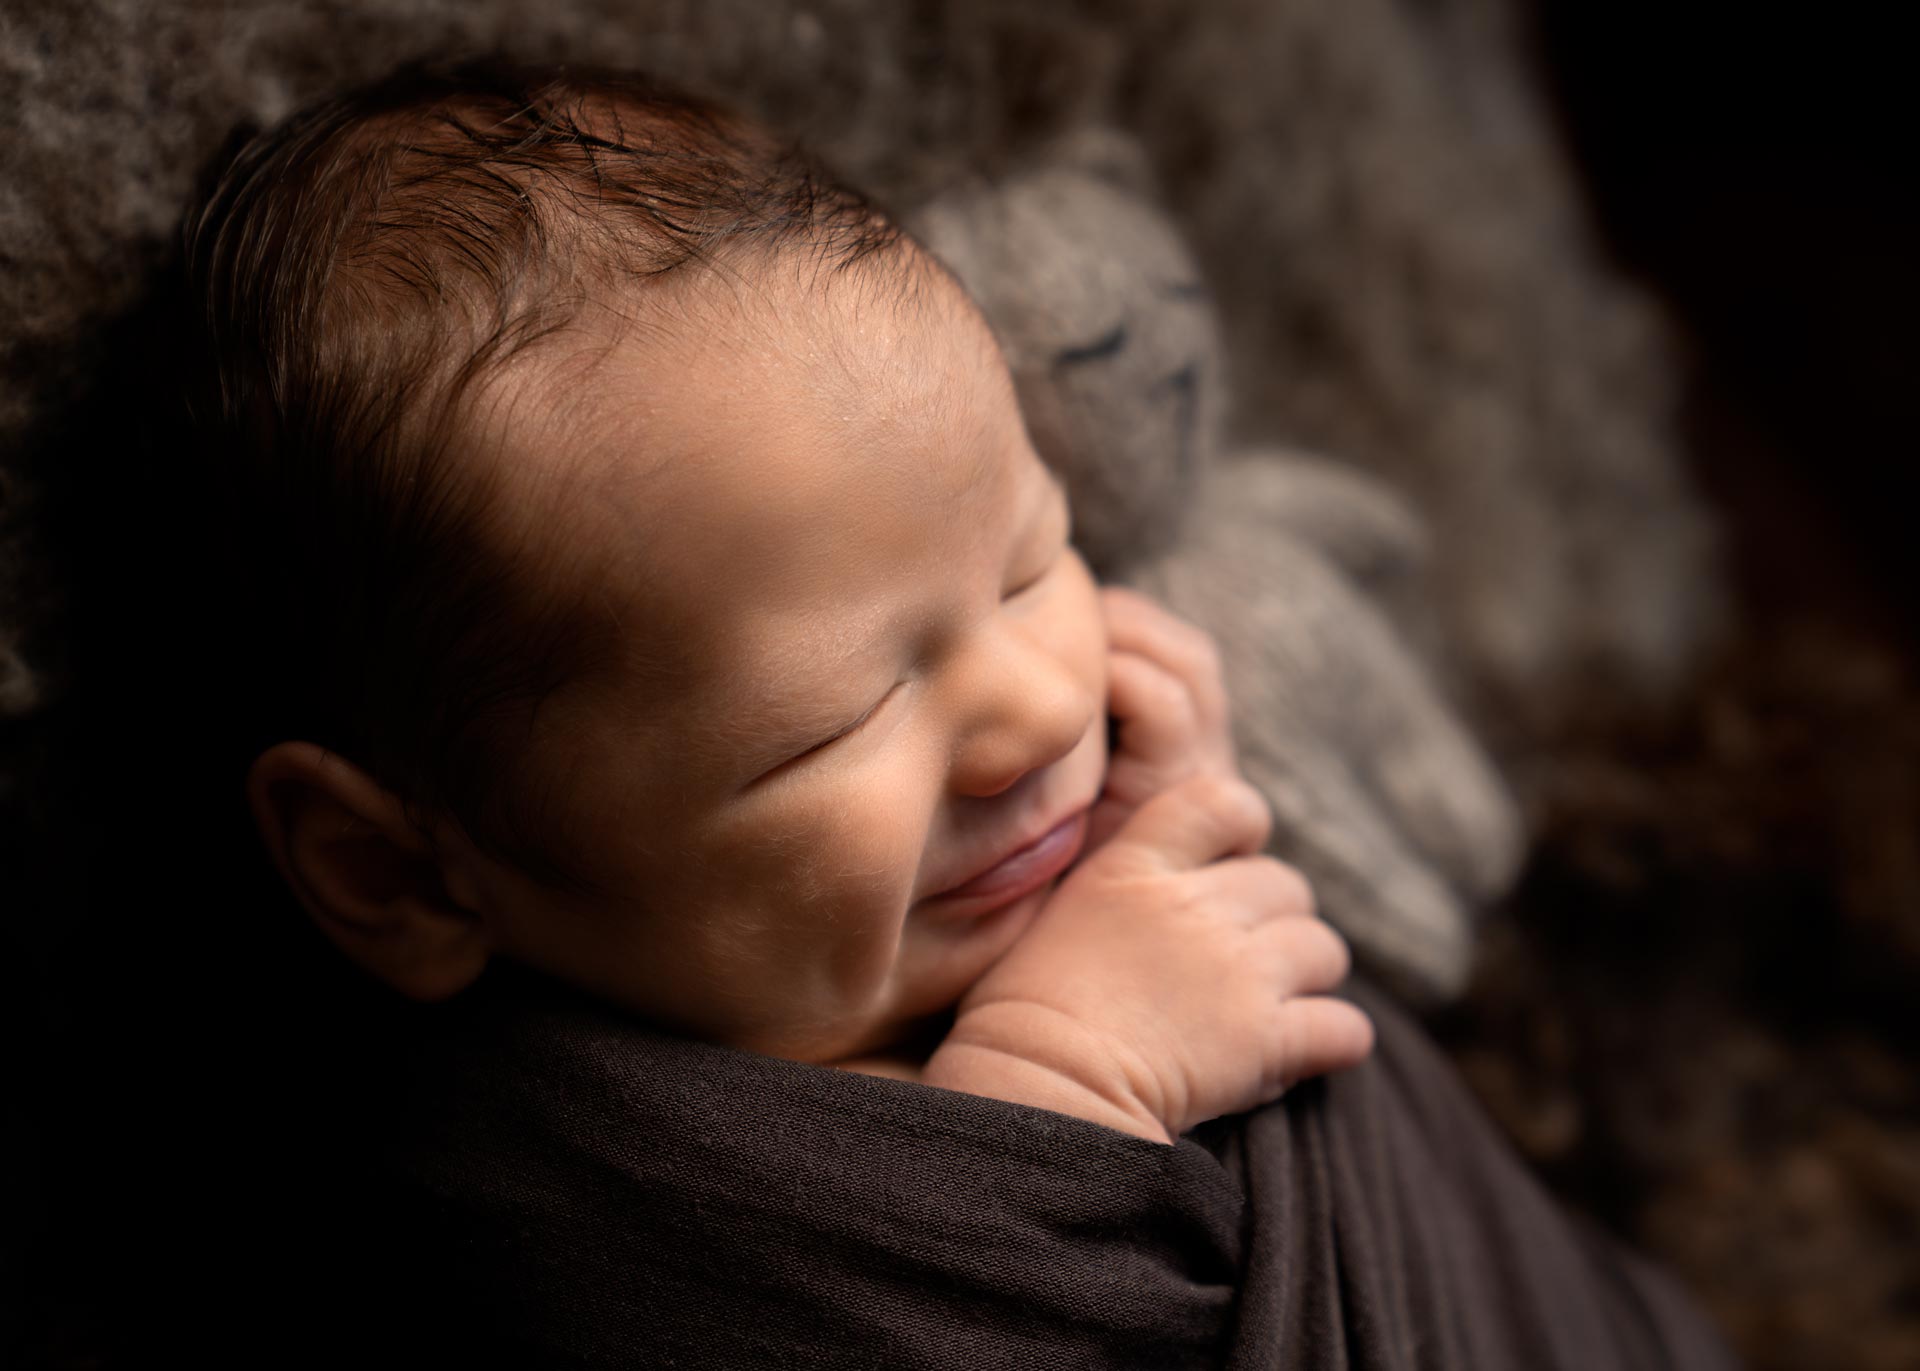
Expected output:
(902, 1036)
(958, 953)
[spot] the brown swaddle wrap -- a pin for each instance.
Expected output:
(609, 1196)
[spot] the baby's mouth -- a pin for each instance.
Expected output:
(1019, 872)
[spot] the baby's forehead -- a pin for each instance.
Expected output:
(895, 323)
(769, 358)
(670, 451)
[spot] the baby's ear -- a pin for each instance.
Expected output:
(347, 849)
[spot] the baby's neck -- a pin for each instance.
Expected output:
(904, 1060)
(901, 1068)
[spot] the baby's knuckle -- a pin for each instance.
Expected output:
(1204, 649)
(1164, 694)
(1284, 1053)
(1282, 885)
(1176, 699)
(1339, 956)
(1325, 954)
(1298, 890)
(1233, 802)
(1186, 898)
(1196, 650)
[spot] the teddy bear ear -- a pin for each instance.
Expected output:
(1106, 154)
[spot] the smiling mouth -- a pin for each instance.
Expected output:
(1020, 872)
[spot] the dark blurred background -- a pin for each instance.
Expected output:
(1697, 1012)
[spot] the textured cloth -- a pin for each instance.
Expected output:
(602, 1195)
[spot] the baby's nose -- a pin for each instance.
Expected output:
(1025, 709)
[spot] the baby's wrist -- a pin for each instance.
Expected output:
(1026, 1054)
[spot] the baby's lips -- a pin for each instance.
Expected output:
(1021, 872)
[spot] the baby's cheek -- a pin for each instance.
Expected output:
(858, 880)
(854, 842)
(1082, 630)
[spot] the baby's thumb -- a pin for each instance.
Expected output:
(1195, 823)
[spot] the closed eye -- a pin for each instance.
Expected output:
(830, 740)
(1034, 579)
(1060, 536)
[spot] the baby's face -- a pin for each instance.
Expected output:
(859, 718)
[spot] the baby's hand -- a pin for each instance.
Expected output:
(1168, 706)
(1169, 980)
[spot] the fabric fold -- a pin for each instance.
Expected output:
(607, 1195)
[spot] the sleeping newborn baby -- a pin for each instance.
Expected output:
(650, 589)
(670, 600)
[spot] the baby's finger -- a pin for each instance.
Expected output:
(1136, 624)
(1317, 1034)
(1313, 958)
(1266, 889)
(1197, 822)
(1154, 710)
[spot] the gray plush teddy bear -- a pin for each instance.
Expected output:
(1380, 794)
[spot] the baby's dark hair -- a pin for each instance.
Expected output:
(353, 276)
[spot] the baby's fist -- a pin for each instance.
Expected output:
(1175, 976)
(1167, 702)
